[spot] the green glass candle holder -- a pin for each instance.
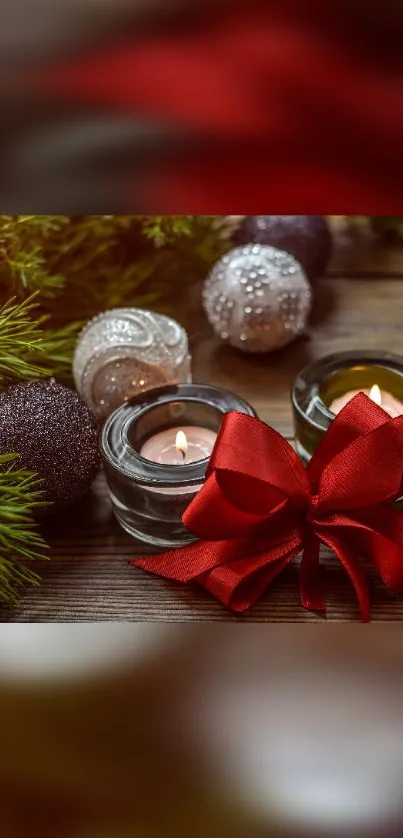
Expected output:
(318, 385)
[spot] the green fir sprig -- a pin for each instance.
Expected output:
(167, 229)
(23, 265)
(20, 542)
(29, 351)
(20, 338)
(55, 350)
(21, 341)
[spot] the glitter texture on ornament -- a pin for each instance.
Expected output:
(257, 298)
(126, 351)
(55, 434)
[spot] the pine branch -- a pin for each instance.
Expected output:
(20, 338)
(23, 267)
(166, 229)
(29, 351)
(55, 350)
(20, 495)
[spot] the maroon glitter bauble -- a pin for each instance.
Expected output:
(306, 237)
(55, 434)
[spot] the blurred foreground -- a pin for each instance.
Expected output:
(174, 106)
(114, 731)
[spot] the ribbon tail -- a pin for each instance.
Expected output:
(186, 563)
(240, 584)
(241, 557)
(229, 570)
(348, 559)
(310, 582)
(377, 535)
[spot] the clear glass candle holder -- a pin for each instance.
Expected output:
(149, 498)
(321, 383)
(126, 351)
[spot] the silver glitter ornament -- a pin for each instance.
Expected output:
(55, 434)
(126, 351)
(257, 298)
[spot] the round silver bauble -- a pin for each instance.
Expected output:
(257, 298)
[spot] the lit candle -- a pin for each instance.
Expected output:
(389, 403)
(323, 388)
(179, 446)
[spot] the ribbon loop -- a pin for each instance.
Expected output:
(358, 417)
(247, 446)
(365, 473)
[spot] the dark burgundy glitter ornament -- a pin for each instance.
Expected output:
(307, 237)
(55, 434)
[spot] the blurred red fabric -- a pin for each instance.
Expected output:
(277, 115)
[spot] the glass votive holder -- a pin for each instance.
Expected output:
(149, 496)
(323, 387)
(126, 351)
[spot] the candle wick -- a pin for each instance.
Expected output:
(183, 455)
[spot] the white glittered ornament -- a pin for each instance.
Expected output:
(257, 298)
(126, 351)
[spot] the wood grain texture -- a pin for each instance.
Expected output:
(89, 577)
(359, 253)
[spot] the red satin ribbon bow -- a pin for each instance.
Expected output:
(260, 507)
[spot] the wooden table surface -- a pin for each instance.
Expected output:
(359, 305)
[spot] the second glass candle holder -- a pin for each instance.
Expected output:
(321, 389)
(155, 450)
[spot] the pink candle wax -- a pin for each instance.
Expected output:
(389, 403)
(178, 446)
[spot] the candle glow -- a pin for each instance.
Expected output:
(392, 406)
(181, 443)
(375, 394)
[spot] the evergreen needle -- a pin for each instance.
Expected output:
(20, 542)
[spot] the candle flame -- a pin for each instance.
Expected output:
(181, 442)
(375, 394)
